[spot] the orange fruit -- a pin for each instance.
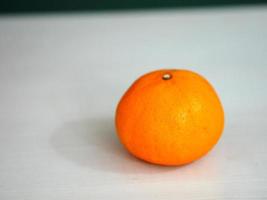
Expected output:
(169, 117)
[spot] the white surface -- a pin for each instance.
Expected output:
(62, 76)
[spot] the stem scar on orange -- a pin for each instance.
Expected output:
(169, 117)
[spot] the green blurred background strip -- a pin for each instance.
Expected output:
(22, 6)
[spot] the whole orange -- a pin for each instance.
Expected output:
(169, 117)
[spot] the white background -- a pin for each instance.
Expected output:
(61, 77)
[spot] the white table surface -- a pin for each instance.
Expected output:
(61, 77)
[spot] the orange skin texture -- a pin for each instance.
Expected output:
(169, 122)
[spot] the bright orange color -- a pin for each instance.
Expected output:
(169, 117)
